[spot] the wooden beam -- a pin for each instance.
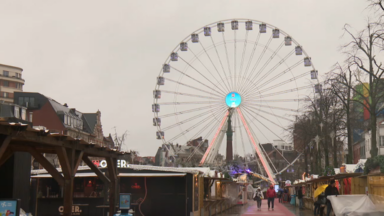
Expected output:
(4, 145)
(7, 154)
(64, 162)
(47, 165)
(112, 171)
(96, 170)
(78, 158)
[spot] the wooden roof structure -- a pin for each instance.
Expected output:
(21, 137)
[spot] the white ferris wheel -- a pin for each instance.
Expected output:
(240, 76)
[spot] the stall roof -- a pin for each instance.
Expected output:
(151, 174)
(347, 175)
(164, 169)
(77, 175)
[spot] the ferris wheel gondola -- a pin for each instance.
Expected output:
(251, 83)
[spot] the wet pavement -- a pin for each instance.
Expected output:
(280, 209)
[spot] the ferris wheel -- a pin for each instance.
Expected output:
(241, 79)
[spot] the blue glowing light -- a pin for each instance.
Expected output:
(233, 99)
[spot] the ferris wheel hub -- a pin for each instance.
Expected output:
(233, 99)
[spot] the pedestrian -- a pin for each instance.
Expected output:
(258, 197)
(271, 194)
(329, 191)
(300, 196)
(280, 195)
(320, 201)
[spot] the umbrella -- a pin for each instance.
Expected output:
(320, 190)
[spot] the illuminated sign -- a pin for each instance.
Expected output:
(103, 163)
(233, 99)
(136, 186)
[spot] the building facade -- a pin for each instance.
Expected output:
(11, 81)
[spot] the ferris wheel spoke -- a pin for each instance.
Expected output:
(189, 111)
(195, 80)
(265, 119)
(229, 66)
(272, 114)
(254, 85)
(189, 86)
(289, 69)
(200, 74)
(210, 59)
(191, 102)
(192, 118)
(242, 60)
(259, 59)
(268, 61)
(190, 128)
(273, 107)
(191, 95)
(284, 82)
(221, 63)
(270, 131)
(278, 100)
(286, 91)
(262, 148)
(250, 59)
(213, 123)
(223, 87)
(279, 92)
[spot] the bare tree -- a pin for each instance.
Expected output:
(340, 78)
(119, 140)
(363, 60)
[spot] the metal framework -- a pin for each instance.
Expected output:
(264, 65)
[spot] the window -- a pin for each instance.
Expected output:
(31, 101)
(5, 94)
(381, 140)
(6, 83)
(17, 112)
(6, 73)
(30, 116)
(26, 101)
(19, 86)
(65, 119)
(23, 114)
(21, 101)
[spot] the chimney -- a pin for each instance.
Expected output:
(66, 105)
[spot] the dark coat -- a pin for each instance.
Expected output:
(300, 194)
(329, 191)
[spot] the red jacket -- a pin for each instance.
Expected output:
(271, 193)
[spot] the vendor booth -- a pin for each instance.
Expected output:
(153, 191)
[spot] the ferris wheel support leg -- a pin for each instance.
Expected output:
(266, 166)
(214, 139)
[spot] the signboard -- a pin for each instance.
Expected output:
(233, 99)
(103, 163)
(125, 201)
(9, 207)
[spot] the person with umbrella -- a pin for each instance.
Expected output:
(319, 195)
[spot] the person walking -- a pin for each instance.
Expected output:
(300, 196)
(280, 195)
(271, 194)
(329, 191)
(258, 197)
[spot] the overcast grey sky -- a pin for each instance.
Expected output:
(105, 55)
